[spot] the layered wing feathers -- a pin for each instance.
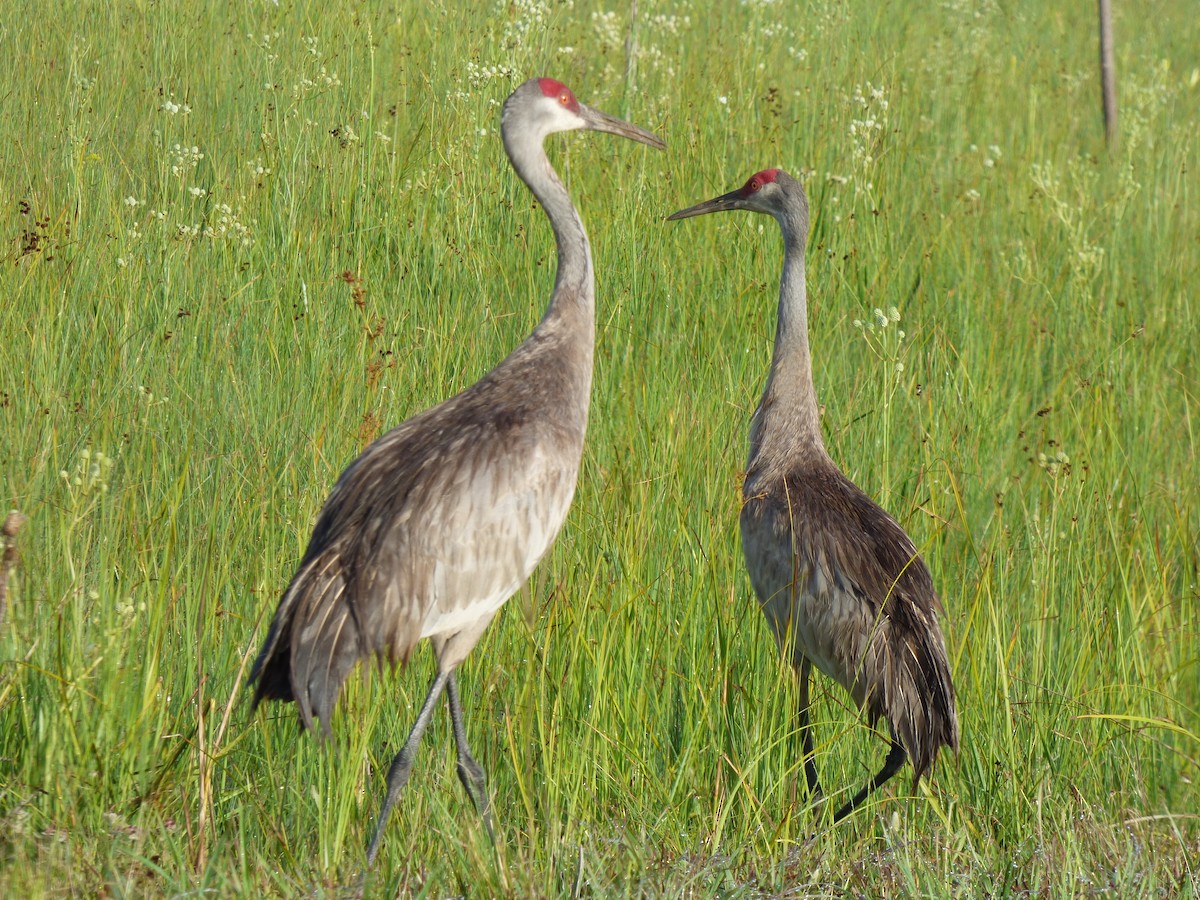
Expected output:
(842, 584)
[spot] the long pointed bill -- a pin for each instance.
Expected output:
(716, 204)
(598, 121)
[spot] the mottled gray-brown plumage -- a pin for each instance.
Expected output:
(839, 581)
(441, 520)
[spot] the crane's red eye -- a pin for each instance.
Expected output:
(564, 98)
(754, 185)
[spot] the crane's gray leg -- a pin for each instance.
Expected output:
(402, 764)
(895, 759)
(470, 773)
(806, 738)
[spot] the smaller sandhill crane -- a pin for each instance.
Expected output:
(839, 581)
(442, 519)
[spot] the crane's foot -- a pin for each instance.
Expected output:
(472, 776)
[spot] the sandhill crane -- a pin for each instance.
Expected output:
(839, 581)
(442, 519)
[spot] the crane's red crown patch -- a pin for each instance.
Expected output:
(758, 179)
(560, 92)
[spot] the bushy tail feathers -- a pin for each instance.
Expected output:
(911, 688)
(314, 642)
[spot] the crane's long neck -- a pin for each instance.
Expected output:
(786, 423)
(570, 315)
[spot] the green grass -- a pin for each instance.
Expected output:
(1039, 441)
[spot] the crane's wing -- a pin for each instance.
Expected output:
(428, 532)
(840, 580)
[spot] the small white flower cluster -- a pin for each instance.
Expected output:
(992, 157)
(171, 108)
(91, 474)
(264, 40)
(132, 203)
(478, 76)
(1071, 203)
(229, 225)
(608, 28)
(871, 104)
(670, 24)
(881, 320)
(267, 43)
(656, 31)
(531, 16)
(321, 81)
(775, 30)
(257, 169)
(875, 332)
(656, 59)
(184, 159)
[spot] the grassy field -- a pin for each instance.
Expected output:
(241, 239)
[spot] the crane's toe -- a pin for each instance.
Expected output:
(473, 778)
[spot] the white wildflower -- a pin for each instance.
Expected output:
(607, 26)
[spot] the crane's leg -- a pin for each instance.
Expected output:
(470, 773)
(895, 759)
(806, 738)
(402, 764)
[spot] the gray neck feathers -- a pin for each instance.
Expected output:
(563, 342)
(786, 424)
(574, 290)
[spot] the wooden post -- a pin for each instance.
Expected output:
(1108, 76)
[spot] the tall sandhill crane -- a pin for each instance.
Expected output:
(839, 581)
(440, 520)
